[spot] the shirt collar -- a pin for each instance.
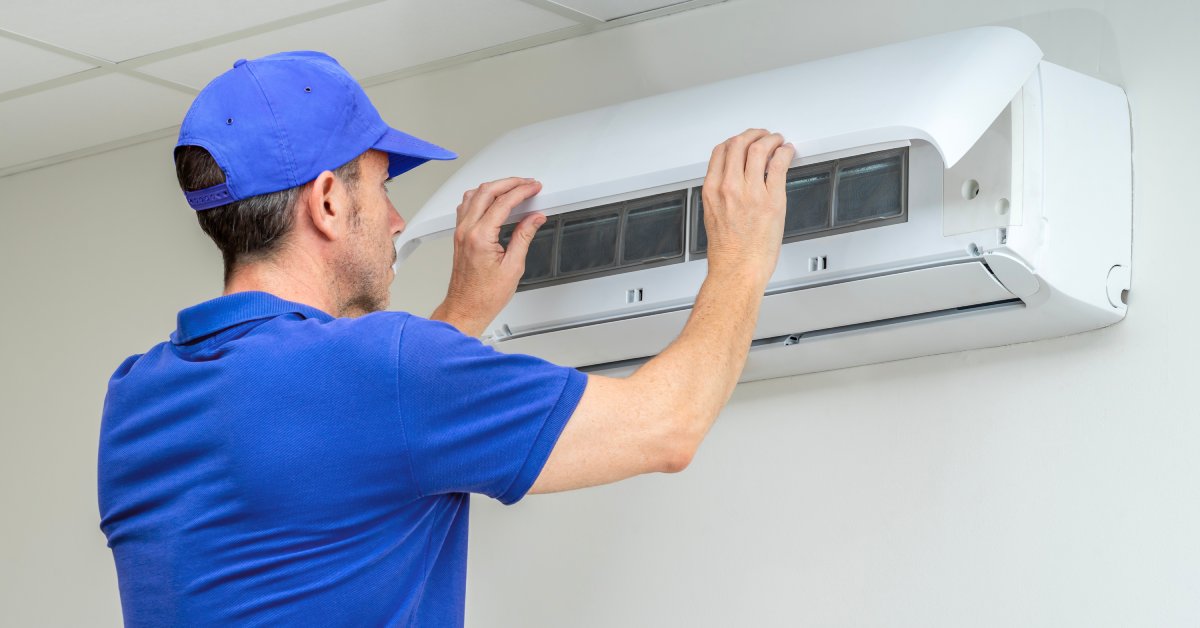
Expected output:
(224, 312)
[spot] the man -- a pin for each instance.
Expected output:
(296, 455)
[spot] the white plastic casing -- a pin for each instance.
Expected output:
(1042, 250)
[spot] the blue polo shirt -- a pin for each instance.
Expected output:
(274, 465)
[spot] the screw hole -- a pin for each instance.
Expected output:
(228, 120)
(970, 189)
(308, 89)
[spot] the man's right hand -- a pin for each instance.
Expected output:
(655, 419)
(743, 212)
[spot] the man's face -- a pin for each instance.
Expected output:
(365, 265)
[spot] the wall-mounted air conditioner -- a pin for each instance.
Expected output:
(949, 193)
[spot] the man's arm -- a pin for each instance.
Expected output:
(654, 420)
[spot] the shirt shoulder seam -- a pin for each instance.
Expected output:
(397, 339)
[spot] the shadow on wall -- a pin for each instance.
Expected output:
(1063, 36)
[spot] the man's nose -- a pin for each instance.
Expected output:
(397, 223)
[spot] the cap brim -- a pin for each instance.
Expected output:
(406, 152)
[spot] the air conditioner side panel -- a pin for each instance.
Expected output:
(1082, 229)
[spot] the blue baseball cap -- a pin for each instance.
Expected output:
(279, 121)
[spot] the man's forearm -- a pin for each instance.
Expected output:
(694, 377)
(471, 326)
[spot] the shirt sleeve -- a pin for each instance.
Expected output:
(477, 420)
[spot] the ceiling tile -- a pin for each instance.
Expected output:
(118, 30)
(26, 65)
(85, 114)
(378, 38)
(612, 9)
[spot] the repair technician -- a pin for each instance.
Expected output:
(297, 455)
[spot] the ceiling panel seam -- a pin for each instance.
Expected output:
(245, 33)
(592, 25)
(534, 41)
(86, 75)
(564, 11)
(45, 45)
(89, 151)
(661, 12)
(524, 43)
(129, 66)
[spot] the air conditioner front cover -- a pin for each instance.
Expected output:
(946, 90)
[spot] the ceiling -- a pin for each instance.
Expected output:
(82, 77)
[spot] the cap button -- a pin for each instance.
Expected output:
(238, 63)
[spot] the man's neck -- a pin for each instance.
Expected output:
(296, 283)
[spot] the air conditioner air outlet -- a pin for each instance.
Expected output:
(828, 306)
(798, 340)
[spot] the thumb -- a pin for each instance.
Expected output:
(518, 248)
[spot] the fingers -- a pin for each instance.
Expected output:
(498, 212)
(735, 153)
(716, 167)
(462, 207)
(482, 198)
(522, 236)
(757, 155)
(777, 169)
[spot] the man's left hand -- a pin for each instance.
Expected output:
(485, 274)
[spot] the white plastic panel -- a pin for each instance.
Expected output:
(980, 192)
(984, 327)
(835, 305)
(1086, 226)
(869, 97)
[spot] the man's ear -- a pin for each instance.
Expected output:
(327, 206)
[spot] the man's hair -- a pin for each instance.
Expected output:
(253, 228)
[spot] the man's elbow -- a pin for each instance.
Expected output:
(681, 447)
(677, 460)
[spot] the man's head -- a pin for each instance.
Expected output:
(343, 220)
(284, 159)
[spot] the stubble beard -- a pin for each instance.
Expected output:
(363, 279)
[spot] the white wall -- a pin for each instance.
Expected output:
(1048, 484)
